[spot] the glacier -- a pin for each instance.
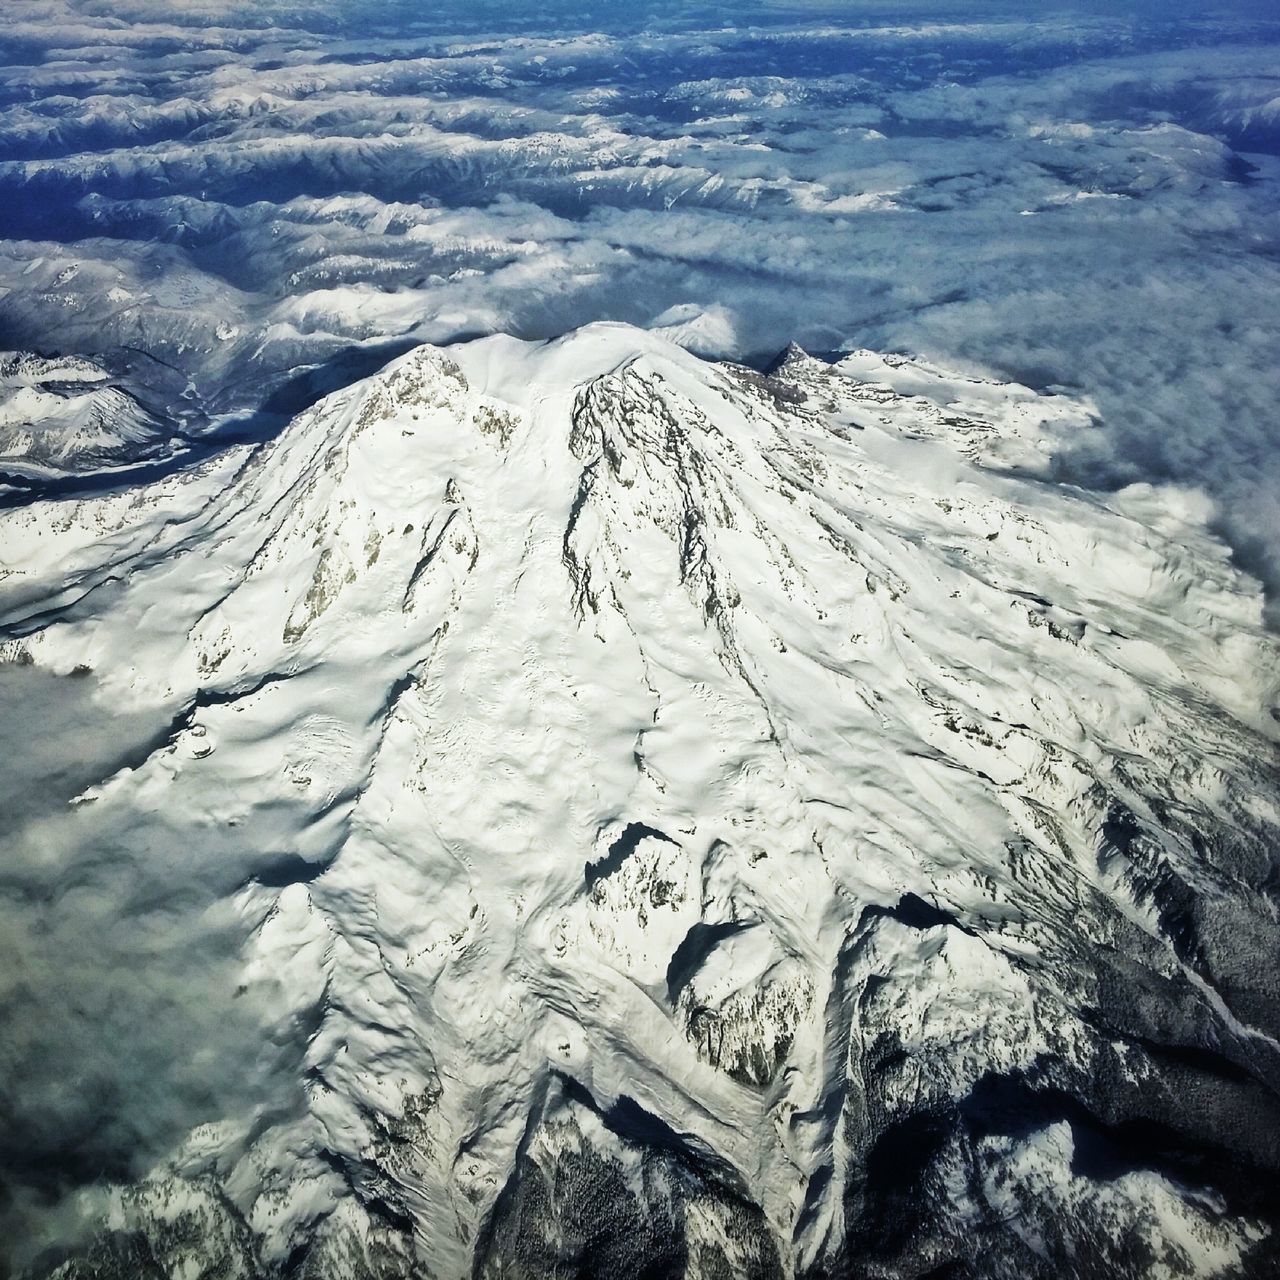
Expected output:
(663, 817)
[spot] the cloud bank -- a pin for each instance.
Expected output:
(1085, 201)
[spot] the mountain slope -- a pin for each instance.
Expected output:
(63, 415)
(685, 821)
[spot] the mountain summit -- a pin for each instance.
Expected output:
(682, 821)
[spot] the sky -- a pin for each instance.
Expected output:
(235, 206)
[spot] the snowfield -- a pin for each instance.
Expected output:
(675, 820)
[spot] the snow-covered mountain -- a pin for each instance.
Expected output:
(66, 414)
(684, 821)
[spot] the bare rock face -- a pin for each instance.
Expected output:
(673, 820)
(742, 1000)
(620, 1193)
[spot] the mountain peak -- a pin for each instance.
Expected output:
(685, 775)
(791, 355)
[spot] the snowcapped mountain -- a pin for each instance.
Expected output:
(685, 821)
(66, 414)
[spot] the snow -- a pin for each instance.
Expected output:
(64, 414)
(821, 637)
